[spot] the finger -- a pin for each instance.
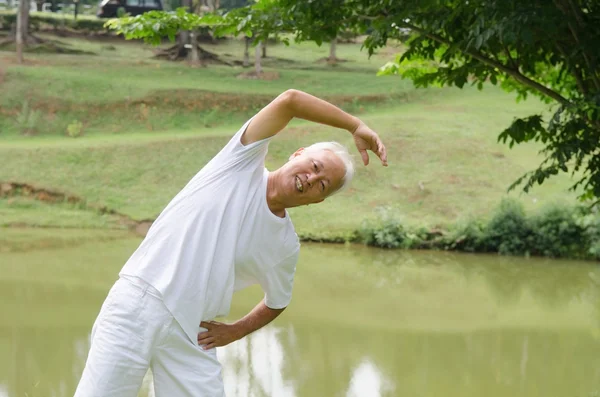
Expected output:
(204, 336)
(209, 346)
(382, 152)
(365, 156)
(206, 341)
(206, 324)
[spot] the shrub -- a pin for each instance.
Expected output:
(75, 129)
(508, 231)
(386, 232)
(466, 236)
(557, 233)
(28, 119)
(590, 223)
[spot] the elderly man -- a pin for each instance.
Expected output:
(227, 229)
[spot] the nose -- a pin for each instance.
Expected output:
(311, 179)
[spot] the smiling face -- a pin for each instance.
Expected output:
(309, 177)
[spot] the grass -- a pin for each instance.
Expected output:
(148, 126)
(30, 212)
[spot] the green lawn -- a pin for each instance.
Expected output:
(148, 126)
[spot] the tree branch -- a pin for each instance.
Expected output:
(483, 59)
(512, 60)
(578, 19)
(576, 72)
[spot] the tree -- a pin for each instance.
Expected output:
(258, 21)
(22, 28)
(546, 48)
(186, 46)
(22, 37)
(319, 21)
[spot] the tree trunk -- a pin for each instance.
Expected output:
(257, 57)
(332, 51)
(22, 28)
(246, 61)
(194, 53)
(264, 48)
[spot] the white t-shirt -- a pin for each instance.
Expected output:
(218, 236)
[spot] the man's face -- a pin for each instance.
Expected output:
(310, 177)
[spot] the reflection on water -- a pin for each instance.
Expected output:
(254, 366)
(367, 380)
(362, 323)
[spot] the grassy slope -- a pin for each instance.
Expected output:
(444, 160)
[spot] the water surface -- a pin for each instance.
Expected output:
(363, 322)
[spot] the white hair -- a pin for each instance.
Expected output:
(342, 153)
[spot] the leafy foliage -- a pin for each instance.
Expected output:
(153, 26)
(554, 231)
(387, 233)
(542, 48)
(558, 232)
(508, 231)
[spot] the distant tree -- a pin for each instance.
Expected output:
(22, 32)
(259, 21)
(187, 45)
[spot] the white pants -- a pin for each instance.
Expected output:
(135, 331)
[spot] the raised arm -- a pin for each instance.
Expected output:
(293, 103)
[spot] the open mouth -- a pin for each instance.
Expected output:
(299, 184)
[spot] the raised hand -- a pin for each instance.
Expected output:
(367, 139)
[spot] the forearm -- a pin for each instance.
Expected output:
(308, 107)
(260, 316)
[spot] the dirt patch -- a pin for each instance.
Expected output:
(14, 189)
(267, 76)
(12, 60)
(192, 100)
(331, 62)
(452, 180)
(42, 46)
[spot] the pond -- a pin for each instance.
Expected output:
(363, 322)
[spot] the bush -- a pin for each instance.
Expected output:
(28, 119)
(590, 223)
(467, 236)
(509, 230)
(387, 232)
(557, 233)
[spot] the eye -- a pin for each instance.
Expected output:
(315, 165)
(323, 186)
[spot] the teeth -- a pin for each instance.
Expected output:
(298, 184)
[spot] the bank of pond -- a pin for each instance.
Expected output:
(555, 231)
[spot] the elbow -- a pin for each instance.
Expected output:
(289, 98)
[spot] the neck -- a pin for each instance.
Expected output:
(273, 201)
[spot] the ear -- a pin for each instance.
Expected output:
(296, 153)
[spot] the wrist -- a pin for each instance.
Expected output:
(239, 330)
(356, 122)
